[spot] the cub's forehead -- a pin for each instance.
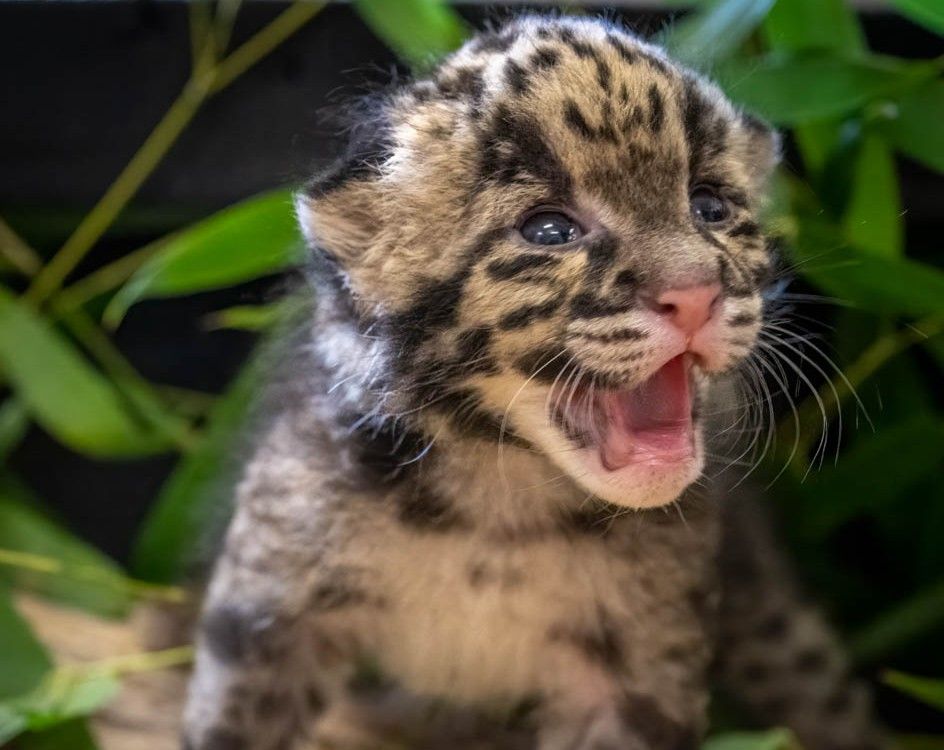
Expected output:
(607, 106)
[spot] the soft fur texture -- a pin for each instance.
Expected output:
(420, 534)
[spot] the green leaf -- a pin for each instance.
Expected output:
(419, 31)
(776, 739)
(796, 25)
(834, 495)
(715, 30)
(25, 529)
(65, 694)
(191, 498)
(928, 13)
(243, 242)
(63, 392)
(908, 620)
(925, 689)
(884, 286)
(246, 317)
(916, 131)
(791, 89)
(873, 219)
(14, 421)
(804, 25)
(24, 660)
(73, 734)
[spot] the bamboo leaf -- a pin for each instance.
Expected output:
(251, 239)
(928, 13)
(919, 447)
(777, 739)
(796, 25)
(792, 89)
(873, 219)
(25, 529)
(191, 498)
(23, 658)
(419, 31)
(715, 30)
(925, 689)
(916, 130)
(906, 621)
(69, 398)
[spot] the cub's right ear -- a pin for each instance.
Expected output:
(339, 210)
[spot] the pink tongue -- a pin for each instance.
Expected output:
(652, 422)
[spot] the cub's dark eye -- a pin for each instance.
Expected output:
(708, 206)
(550, 228)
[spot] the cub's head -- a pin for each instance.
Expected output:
(556, 237)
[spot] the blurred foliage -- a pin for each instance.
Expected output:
(803, 64)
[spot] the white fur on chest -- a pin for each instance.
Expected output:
(470, 620)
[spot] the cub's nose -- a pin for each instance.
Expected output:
(687, 308)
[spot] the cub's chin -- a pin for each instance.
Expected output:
(638, 447)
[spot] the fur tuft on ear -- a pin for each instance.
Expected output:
(341, 220)
(337, 210)
(762, 149)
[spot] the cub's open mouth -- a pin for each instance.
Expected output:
(650, 424)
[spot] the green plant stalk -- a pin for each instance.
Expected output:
(195, 92)
(834, 394)
(87, 573)
(20, 255)
(104, 279)
(139, 392)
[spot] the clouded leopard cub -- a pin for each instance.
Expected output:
(529, 274)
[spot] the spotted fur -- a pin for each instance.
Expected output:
(417, 505)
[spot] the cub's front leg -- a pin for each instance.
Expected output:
(278, 639)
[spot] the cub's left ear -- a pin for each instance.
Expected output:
(339, 211)
(761, 149)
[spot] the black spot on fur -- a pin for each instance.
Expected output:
(465, 83)
(435, 306)
(494, 42)
(314, 700)
(544, 364)
(644, 716)
(604, 76)
(544, 58)
(745, 229)
(774, 627)
(516, 77)
(597, 520)
(271, 704)
(656, 109)
(332, 595)
(600, 645)
(742, 319)
(624, 51)
(514, 150)
(383, 447)
(473, 350)
(619, 335)
(626, 279)
(528, 314)
(503, 270)
(575, 120)
(588, 305)
(601, 254)
(812, 660)
(222, 738)
(233, 634)
(424, 511)
(755, 671)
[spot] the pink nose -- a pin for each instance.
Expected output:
(687, 308)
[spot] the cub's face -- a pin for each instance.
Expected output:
(557, 235)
